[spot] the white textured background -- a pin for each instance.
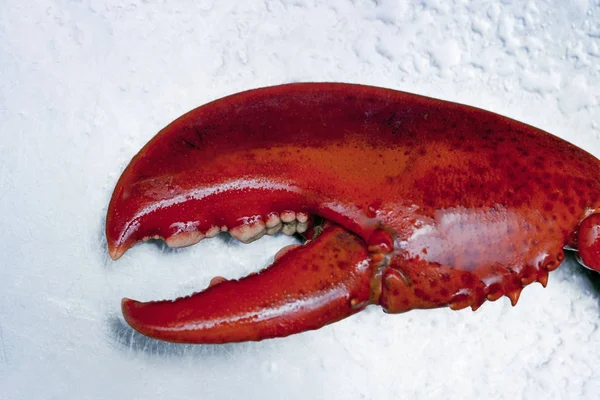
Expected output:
(85, 83)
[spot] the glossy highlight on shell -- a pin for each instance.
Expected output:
(406, 202)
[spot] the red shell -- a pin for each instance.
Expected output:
(474, 204)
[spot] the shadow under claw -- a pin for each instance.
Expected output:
(594, 279)
(585, 277)
(126, 339)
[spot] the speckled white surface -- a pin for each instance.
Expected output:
(85, 83)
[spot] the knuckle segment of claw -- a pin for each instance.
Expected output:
(397, 209)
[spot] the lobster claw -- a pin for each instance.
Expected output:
(430, 204)
(309, 286)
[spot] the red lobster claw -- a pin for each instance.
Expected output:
(426, 204)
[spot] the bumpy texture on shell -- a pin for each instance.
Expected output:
(456, 204)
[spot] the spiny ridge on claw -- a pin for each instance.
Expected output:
(543, 278)
(461, 300)
(514, 296)
(511, 288)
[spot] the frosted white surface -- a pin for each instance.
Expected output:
(85, 83)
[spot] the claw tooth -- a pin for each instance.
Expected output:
(213, 231)
(289, 228)
(184, 239)
(288, 216)
(458, 306)
(494, 292)
(249, 232)
(240, 232)
(460, 301)
(543, 279)
(526, 280)
(273, 220)
(301, 227)
(216, 280)
(275, 229)
(302, 217)
(258, 234)
(477, 302)
(514, 296)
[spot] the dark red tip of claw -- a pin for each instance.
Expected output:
(306, 288)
